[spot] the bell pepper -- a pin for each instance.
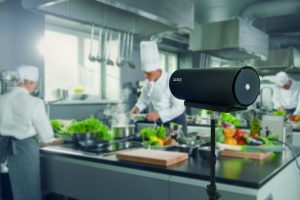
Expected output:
(229, 132)
(239, 136)
(230, 141)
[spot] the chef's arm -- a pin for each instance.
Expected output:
(276, 101)
(41, 124)
(143, 100)
(297, 111)
(177, 108)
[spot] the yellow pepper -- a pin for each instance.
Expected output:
(231, 141)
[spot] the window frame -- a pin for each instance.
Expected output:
(167, 54)
(81, 36)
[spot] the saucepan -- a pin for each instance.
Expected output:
(123, 131)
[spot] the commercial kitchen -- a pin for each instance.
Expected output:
(132, 92)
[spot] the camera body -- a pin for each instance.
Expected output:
(222, 87)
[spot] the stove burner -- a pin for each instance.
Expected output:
(100, 148)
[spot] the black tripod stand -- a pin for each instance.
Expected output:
(212, 188)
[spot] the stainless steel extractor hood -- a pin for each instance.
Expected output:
(280, 58)
(175, 13)
(145, 17)
(231, 39)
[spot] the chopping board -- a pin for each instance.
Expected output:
(154, 157)
(250, 155)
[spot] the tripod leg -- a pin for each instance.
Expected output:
(212, 188)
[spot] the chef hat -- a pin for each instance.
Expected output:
(281, 78)
(149, 56)
(26, 72)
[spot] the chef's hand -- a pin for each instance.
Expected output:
(152, 116)
(56, 142)
(51, 143)
(135, 110)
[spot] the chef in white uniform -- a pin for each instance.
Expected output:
(156, 93)
(287, 94)
(23, 121)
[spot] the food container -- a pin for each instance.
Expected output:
(123, 131)
(62, 94)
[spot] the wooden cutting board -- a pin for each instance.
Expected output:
(154, 157)
(250, 155)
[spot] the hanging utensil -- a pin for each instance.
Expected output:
(103, 57)
(129, 60)
(120, 60)
(126, 44)
(99, 58)
(108, 59)
(91, 57)
(125, 48)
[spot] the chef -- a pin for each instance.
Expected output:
(23, 121)
(156, 93)
(287, 94)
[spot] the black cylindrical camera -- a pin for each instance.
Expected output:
(228, 86)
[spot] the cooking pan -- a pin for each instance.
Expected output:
(93, 144)
(83, 137)
(190, 144)
(123, 131)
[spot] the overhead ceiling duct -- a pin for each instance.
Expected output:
(142, 17)
(231, 39)
(270, 9)
(283, 41)
(280, 58)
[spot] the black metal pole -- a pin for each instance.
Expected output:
(212, 188)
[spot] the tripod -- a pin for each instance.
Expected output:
(211, 189)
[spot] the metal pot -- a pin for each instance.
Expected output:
(123, 131)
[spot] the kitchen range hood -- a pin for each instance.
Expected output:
(282, 58)
(231, 39)
(145, 17)
(287, 59)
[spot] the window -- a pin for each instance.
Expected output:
(90, 71)
(67, 65)
(168, 61)
(113, 75)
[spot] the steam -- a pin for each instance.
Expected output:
(119, 114)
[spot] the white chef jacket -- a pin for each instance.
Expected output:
(288, 98)
(23, 116)
(161, 99)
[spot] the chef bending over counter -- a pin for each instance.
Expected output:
(164, 107)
